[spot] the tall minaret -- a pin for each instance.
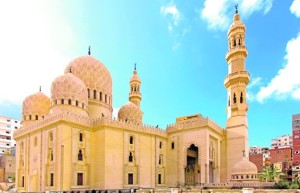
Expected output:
(135, 95)
(236, 83)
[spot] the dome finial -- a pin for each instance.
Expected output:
(40, 88)
(89, 52)
(236, 8)
(134, 66)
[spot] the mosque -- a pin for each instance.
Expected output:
(70, 141)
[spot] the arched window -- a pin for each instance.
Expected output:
(100, 96)
(51, 155)
(234, 98)
(88, 92)
(80, 137)
(241, 98)
(29, 117)
(130, 158)
(62, 101)
(229, 101)
(134, 88)
(160, 160)
(69, 102)
(95, 94)
(234, 42)
(76, 103)
(80, 155)
(131, 139)
(36, 117)
(160, 145)
(239, 41)
(105, 98)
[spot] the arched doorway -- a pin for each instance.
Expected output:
(192, 169)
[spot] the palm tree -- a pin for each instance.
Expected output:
(269, 174)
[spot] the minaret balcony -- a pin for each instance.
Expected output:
(237, 50)
(135, 94)
(239, 76)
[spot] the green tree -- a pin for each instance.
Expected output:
(269, 174)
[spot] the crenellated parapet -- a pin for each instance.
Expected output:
(52, 119)
(129, 125)
(194, 121)
(87, 122)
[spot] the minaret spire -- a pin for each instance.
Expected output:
(40, 88)
(236, 8)
(89, 52)
(135, 84)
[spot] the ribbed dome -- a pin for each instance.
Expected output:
(92, 72)
(130, 112)
(244, 167)
(135, 77)
(36, 104)
(68, 87)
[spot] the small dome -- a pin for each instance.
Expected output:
(92, 72)
(36, 104)
(135, 77)
(130, 112)
(69, 87)
(244, 167)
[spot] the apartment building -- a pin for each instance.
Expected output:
(260, 156)
(282, 142)
(7, 127)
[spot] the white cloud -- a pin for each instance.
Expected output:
(218, 13)
(186, 31)
(115, 113)
(295, 8)
(32, 39)
(254, 82)
(172, 10)
(214, 12)
(287, 82)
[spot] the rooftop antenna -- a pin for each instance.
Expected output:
(89, 50)
(236, 8)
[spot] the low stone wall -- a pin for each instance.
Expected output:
(177, 190)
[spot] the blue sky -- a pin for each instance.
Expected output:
(179, 48)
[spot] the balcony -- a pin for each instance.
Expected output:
(241, 75)
(235, 50)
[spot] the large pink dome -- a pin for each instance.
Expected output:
(93, 73)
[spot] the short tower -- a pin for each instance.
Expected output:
(236, 82)
(135, 95)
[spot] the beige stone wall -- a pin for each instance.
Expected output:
(208, 142)
(237, 141)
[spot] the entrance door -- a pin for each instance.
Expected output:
(192, 168)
